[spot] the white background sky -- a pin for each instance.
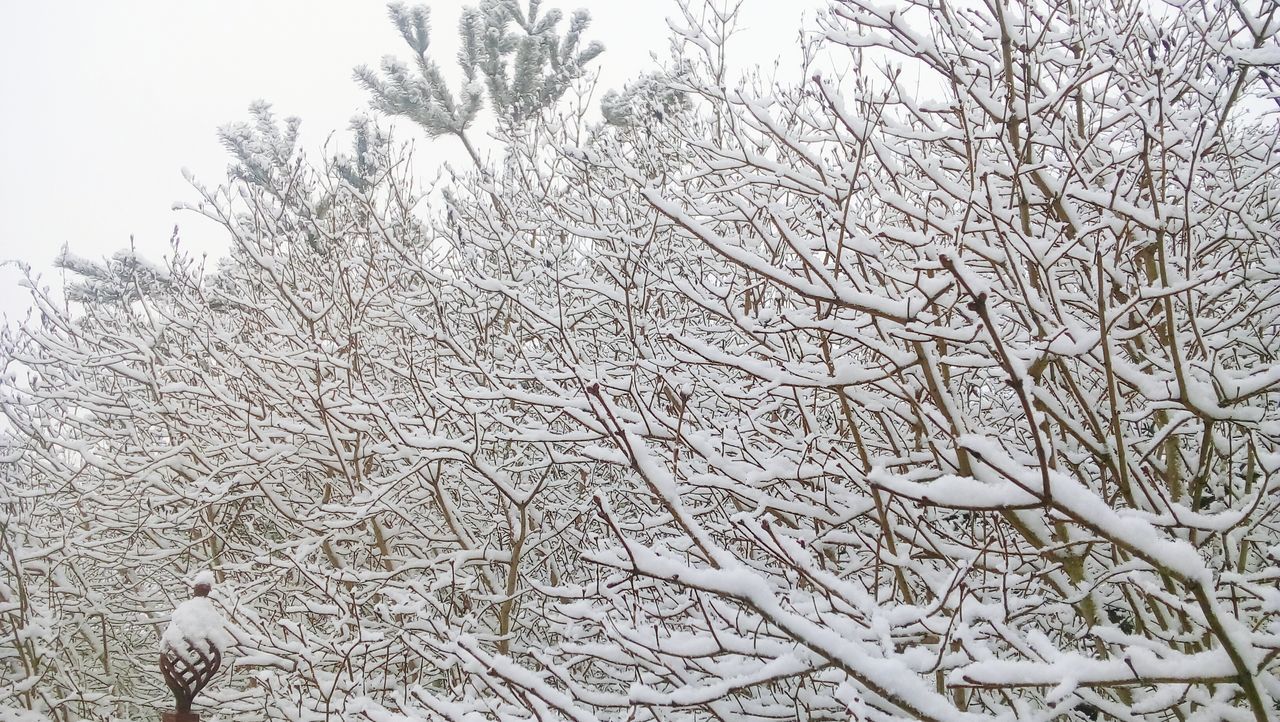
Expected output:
(103, 102)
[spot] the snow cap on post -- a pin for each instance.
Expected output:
(202, 584)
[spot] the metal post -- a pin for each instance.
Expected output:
(186, 673)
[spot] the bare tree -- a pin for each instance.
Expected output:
(940, 385)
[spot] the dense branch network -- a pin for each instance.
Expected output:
(757, 401)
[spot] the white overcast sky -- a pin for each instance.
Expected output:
(104, 102)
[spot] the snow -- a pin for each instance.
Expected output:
(196, 624)
(946, 395)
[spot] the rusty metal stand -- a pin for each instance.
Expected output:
(186, 673)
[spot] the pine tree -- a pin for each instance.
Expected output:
(522, 69)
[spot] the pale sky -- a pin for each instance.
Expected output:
(104, 102)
